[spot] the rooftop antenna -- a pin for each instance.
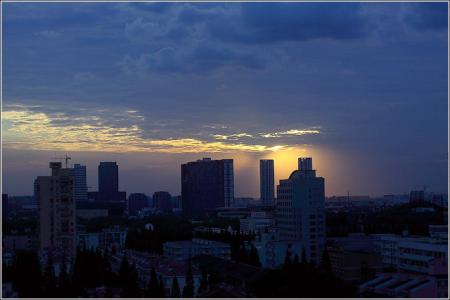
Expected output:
(66, 158)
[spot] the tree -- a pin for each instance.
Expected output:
(64, 281)
(325, 263)
(124, 270)
(26, 274)
(49, 283)
(203, 282)
(175, 290)
(153, 287)
(161, 288)
(131, 285)
(188, 291)
(287, 259)
(253, 258)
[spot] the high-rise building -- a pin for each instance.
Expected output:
(162, 201)
(108, 178)
(300, 210)
(136, 202)
(108, 183)
(266, 182)
(57, 217)
(80, 184)
(205, 185)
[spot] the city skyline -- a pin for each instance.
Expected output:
(156, 85)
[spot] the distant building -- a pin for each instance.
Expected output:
(258, 221)
(353, 258)
(266, 182)
(243, 201)
(80, 184)
(91, 208)
(417, 196)
(4, 206)
(11, 243)
(300, 210)
(206, 184)
(136, 202)
(165, 267)
(162, 201)
(104, 239)
(176, 202)
(272, 251)
(108, 177)
(183, 250)
(108, 183)
(57, 220)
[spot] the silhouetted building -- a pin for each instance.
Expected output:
(417, 196)
(300, 209)
(136, 202)
(4, 206)
(57, 220)
(108, 183)
(80, 184)
(162, 201)
(108, 177)
(266, 182)
(206, 184)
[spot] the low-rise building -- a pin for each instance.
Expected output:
(402, 285)
(165, 267)
(353, 258)
(272, 251)
(183, 250)
(258, 221)
(103, 239)
(19, 242)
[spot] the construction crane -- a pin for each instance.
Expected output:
(66, 158)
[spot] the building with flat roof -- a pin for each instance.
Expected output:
(183, 250)
(267, 182)
(80, 183)
(205, 185)
(57, 210)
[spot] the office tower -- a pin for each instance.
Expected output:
(108, 178)
(266, 182)
(108, 183)
(4, 206)
(136, 202)
(57, 217)
(300, 209)
(80, 184)
(205, 185)
(162, 201)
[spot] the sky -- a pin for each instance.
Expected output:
(360, 87)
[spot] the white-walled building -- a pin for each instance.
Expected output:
(300, 210)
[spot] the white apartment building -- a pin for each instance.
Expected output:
(300, 210)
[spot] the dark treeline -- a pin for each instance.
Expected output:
(299, 278)
(385, 221)
(90, 270)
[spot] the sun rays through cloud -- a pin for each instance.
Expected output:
(26, 128)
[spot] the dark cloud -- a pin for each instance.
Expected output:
(201, 59)
(427, 16)
(278, 22)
